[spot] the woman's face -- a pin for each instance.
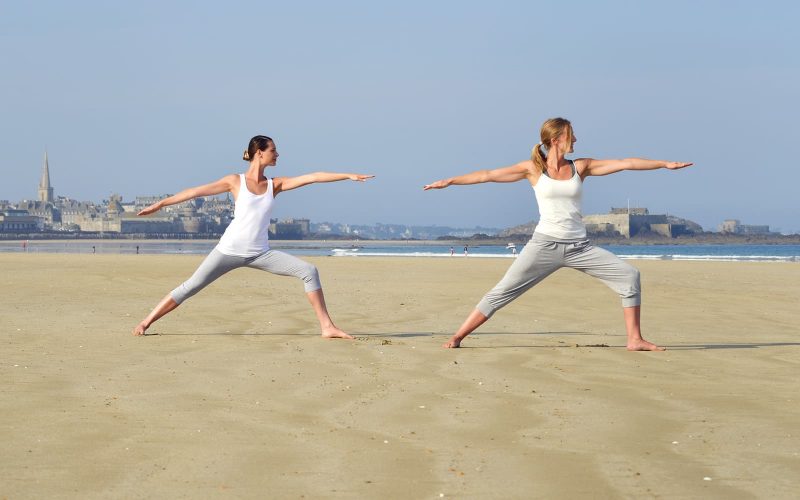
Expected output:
(269, 156)
(561, 141)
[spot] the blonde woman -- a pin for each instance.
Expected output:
(245, 242)
(560, 236)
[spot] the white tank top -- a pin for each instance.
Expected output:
(248, 233)
(560, 207)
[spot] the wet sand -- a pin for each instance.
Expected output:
(235, 395)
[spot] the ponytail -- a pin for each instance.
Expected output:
(539, 157)
(551, 130)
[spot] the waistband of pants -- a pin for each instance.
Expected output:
(545, 237)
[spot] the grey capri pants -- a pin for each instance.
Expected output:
(542, 256)
(273, 261)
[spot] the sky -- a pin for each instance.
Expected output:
(150, 97)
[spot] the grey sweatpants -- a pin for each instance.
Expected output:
(273, 261)
(541, 257)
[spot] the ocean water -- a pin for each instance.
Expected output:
(753, 253)
(789, 253)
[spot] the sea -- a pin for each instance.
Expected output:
(361, 249)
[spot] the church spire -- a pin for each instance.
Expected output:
(45, 190)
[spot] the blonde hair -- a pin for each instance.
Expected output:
(551, 130)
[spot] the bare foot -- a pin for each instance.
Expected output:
(643, 345)
(140, 329)
(334, 333)
(453, 343)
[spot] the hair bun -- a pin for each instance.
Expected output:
(246, 156)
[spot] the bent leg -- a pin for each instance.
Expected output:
(329, 330)
(634, 330)
(617, 274)
(621, 277)
(284, 264)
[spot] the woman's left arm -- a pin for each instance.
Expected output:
(289, 183)
(592, 166)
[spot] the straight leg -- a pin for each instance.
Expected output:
(538, 260)
(213, 266)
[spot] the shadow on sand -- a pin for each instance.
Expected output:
(743, 345)
(470, 342)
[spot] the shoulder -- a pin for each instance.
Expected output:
(527, 167)
(527, 164)
(582, 164)
(231, 180)
(532, 172)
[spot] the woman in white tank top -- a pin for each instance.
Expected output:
(560, 236)
(245, 242)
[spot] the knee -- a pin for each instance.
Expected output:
(486, 307)
(310, 276)
(632, 280)
(309, 272)
(182, 292)
(634, 276)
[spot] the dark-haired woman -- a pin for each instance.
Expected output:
(245, 242)
(560, 236)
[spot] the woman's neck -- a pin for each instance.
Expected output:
(255, 171)
(556, 160)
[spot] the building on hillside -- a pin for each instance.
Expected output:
(288, 229)
(734, 226)
(629, 222)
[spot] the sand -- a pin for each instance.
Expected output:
(237, 396)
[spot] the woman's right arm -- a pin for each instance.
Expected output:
(223, 185)
(513, 173)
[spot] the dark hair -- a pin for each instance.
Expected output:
(257, 143)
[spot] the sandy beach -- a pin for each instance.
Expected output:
(236, 396)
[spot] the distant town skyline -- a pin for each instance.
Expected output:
(206, 215)
(126, 100)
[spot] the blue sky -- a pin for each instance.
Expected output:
(152, 97)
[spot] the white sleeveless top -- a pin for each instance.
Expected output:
(560, 207)
(248, 233)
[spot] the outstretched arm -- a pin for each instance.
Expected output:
(513, 173)
(605, 167)
(221, 186)
(289, 183)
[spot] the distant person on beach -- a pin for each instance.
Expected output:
(245, 242)
(451, 251)
(560, 236)
(466, 252)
